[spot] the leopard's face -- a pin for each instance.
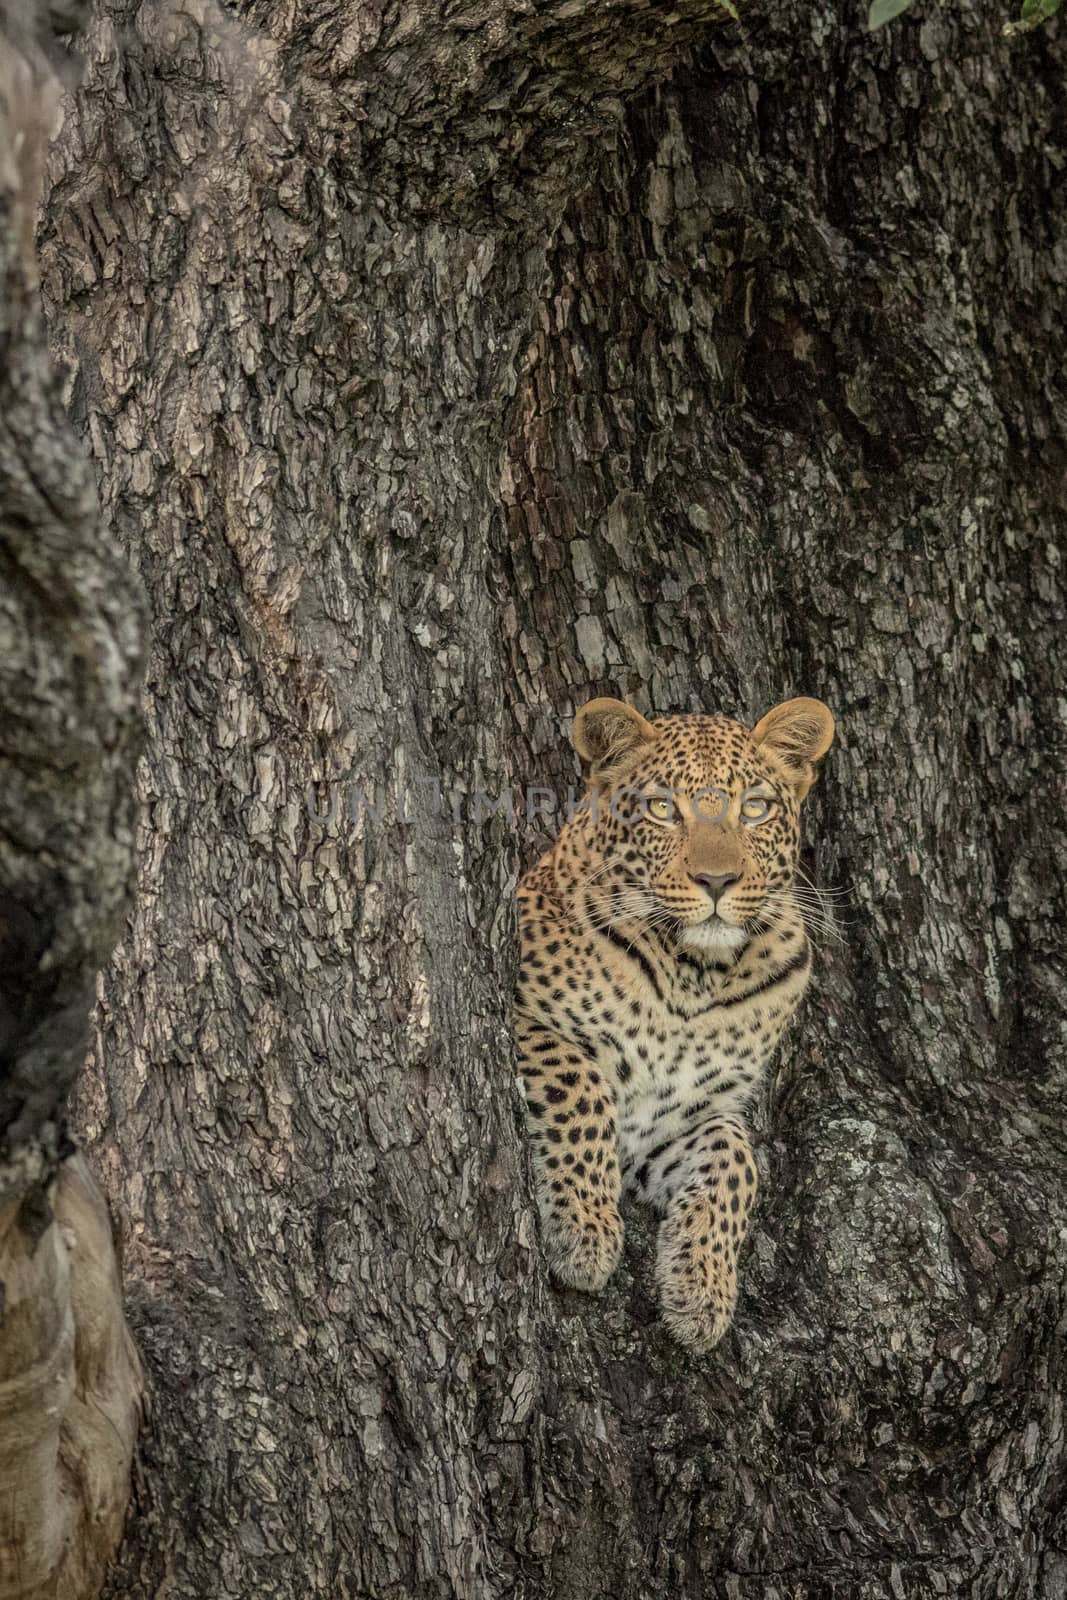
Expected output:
(695, 823)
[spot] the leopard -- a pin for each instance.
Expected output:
(663, 951)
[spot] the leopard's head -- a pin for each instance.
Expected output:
(695, 820)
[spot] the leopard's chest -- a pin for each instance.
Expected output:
(669, 1063)
(685, 1060)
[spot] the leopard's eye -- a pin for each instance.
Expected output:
(756, 809)
(659, 806)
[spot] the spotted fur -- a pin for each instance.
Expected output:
(663, 953)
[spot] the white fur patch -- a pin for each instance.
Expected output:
(712, 938)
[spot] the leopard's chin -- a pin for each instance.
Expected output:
(713, 937)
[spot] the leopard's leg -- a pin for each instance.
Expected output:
(707, 1191)
(570, 1111)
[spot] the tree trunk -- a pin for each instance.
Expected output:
(440, 373)
(71, 654)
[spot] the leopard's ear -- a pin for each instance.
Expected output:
(798, 734)
(607, 733)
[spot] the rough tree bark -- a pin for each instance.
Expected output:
(71, 653)
(439, 372)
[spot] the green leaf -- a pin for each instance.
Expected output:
(1032, 15)
(883, 11)
(1037, 11)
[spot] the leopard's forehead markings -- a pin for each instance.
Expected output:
(698, 751)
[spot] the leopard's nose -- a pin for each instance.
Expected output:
(716, 883)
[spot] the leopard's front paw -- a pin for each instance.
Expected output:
(698, 1320)
(584, 1246)
(697, 1282)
